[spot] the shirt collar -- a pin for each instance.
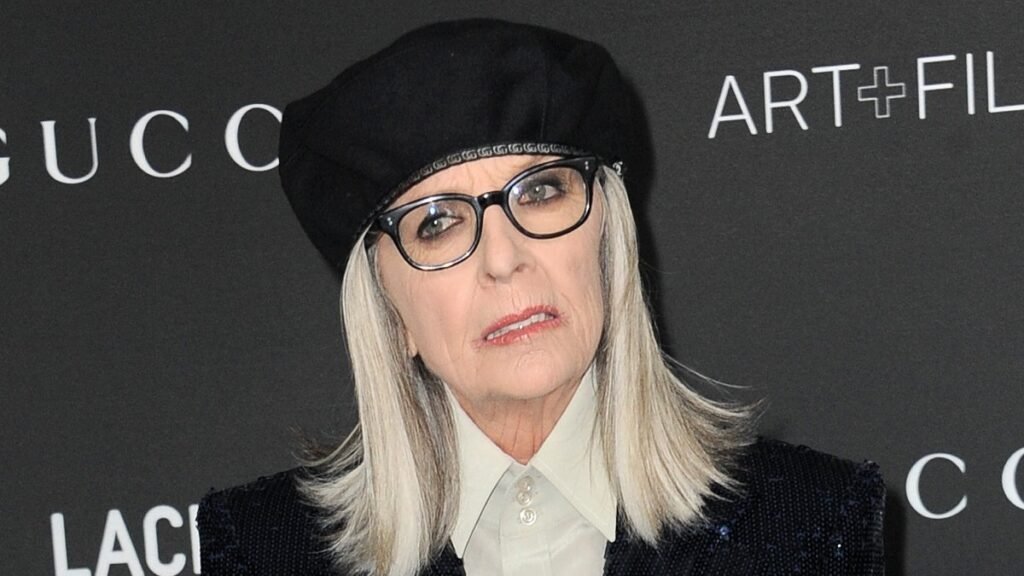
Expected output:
(569, 458)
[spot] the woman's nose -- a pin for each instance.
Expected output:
(502, 250)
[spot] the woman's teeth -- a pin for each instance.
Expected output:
(538, 317)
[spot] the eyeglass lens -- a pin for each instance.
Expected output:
(547, 202)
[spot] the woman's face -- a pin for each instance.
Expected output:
(520, 318)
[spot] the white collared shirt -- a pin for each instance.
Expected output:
(553, 516)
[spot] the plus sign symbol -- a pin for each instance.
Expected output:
(881, 92)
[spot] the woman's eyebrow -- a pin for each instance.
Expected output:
(531, 161)
(450, 187)
(527, 162)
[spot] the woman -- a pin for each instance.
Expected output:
(515, 413)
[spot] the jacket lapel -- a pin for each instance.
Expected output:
(631, 556)
(446, 563)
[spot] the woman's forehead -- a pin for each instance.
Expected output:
(474, 177)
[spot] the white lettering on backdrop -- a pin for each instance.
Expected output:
(118, 548)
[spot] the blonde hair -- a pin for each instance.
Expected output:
(390, 489)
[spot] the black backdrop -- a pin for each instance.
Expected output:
(162, 335)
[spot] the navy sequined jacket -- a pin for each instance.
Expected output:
(802, 512)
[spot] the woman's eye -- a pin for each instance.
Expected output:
(434, 225)
(540, 192)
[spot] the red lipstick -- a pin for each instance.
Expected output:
(513, 327)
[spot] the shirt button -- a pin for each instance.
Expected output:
(525, 484)
(524, 498)
(527, 516)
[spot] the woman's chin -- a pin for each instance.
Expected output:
(535, 373)
(525, 385)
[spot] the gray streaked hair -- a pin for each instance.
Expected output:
(390, 490)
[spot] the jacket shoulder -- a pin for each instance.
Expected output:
(264, 528)
(800, 511)
(783, 472)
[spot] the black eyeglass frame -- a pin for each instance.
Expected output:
(388, 222)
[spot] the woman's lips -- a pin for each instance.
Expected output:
(511, 328)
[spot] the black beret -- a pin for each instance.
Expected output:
(441, 95)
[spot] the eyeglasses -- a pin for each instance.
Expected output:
(544, 201)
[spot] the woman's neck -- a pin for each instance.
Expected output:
(519, 427)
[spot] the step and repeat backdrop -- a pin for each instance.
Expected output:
(832, 217)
